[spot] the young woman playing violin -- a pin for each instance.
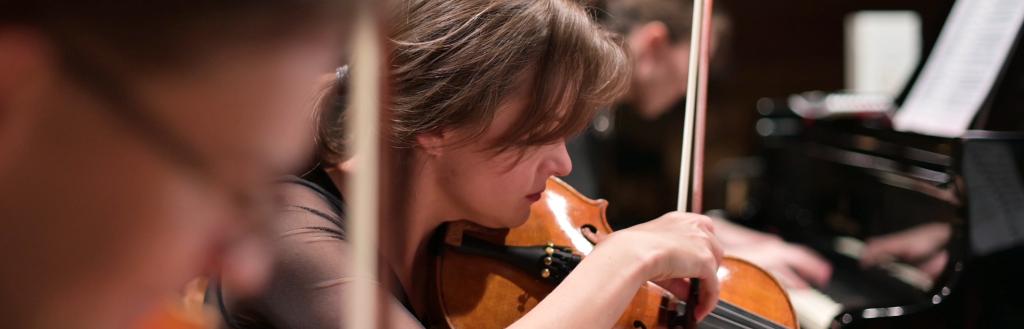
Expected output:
(484, 95)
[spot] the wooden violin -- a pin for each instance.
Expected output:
(487, 278)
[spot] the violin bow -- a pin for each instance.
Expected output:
(368, 191)
(691, 167)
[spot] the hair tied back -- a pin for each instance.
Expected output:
(341, 73)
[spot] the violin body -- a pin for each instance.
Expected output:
(477, 289)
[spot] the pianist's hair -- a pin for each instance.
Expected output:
(452, 64)
(622, 16)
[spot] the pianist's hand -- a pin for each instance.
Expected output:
(921, 246)
(795, 266)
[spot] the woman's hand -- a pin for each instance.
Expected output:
(670, 248)
(674, 246)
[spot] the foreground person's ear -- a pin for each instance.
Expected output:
(26, 71)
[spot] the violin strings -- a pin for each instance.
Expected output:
(726, 322)
(734, 324)
(760, 322)
(709, 325)
(740, 317)
(718, 314)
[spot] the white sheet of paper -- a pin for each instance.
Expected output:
(962, 68)
(883, 47)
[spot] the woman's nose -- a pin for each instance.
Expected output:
(561, 162)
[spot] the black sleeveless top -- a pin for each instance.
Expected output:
(308, 277)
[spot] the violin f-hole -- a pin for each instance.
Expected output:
(592, 234)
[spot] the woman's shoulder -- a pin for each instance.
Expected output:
(307, 208)
(310, 262)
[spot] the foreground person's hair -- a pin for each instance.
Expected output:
(145, 35)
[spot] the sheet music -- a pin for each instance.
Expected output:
(963, 66)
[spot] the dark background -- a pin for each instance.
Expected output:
(773, 49)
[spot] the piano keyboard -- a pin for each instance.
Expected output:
(814, 309)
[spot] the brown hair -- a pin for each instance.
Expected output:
(454, 62)
(158, 33)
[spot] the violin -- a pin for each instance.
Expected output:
(488, 278)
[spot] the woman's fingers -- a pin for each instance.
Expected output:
(716, 249)
(705, 223)
(678, 287)
(684, 246)
(709, 294)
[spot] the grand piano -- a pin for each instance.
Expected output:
(833, 182)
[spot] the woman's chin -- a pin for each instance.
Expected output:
(505, 220)
(519, 216)
(519, 221)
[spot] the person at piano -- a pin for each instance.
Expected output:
(485, 94)
(128, 131)
(657, 36)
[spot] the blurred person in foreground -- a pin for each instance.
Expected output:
(657, 35)
(136, 139)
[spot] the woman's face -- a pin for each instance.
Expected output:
(496, 190)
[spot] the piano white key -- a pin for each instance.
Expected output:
(814, 309)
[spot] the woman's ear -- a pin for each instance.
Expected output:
(432, 143)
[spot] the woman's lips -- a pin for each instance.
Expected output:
(534, 197)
